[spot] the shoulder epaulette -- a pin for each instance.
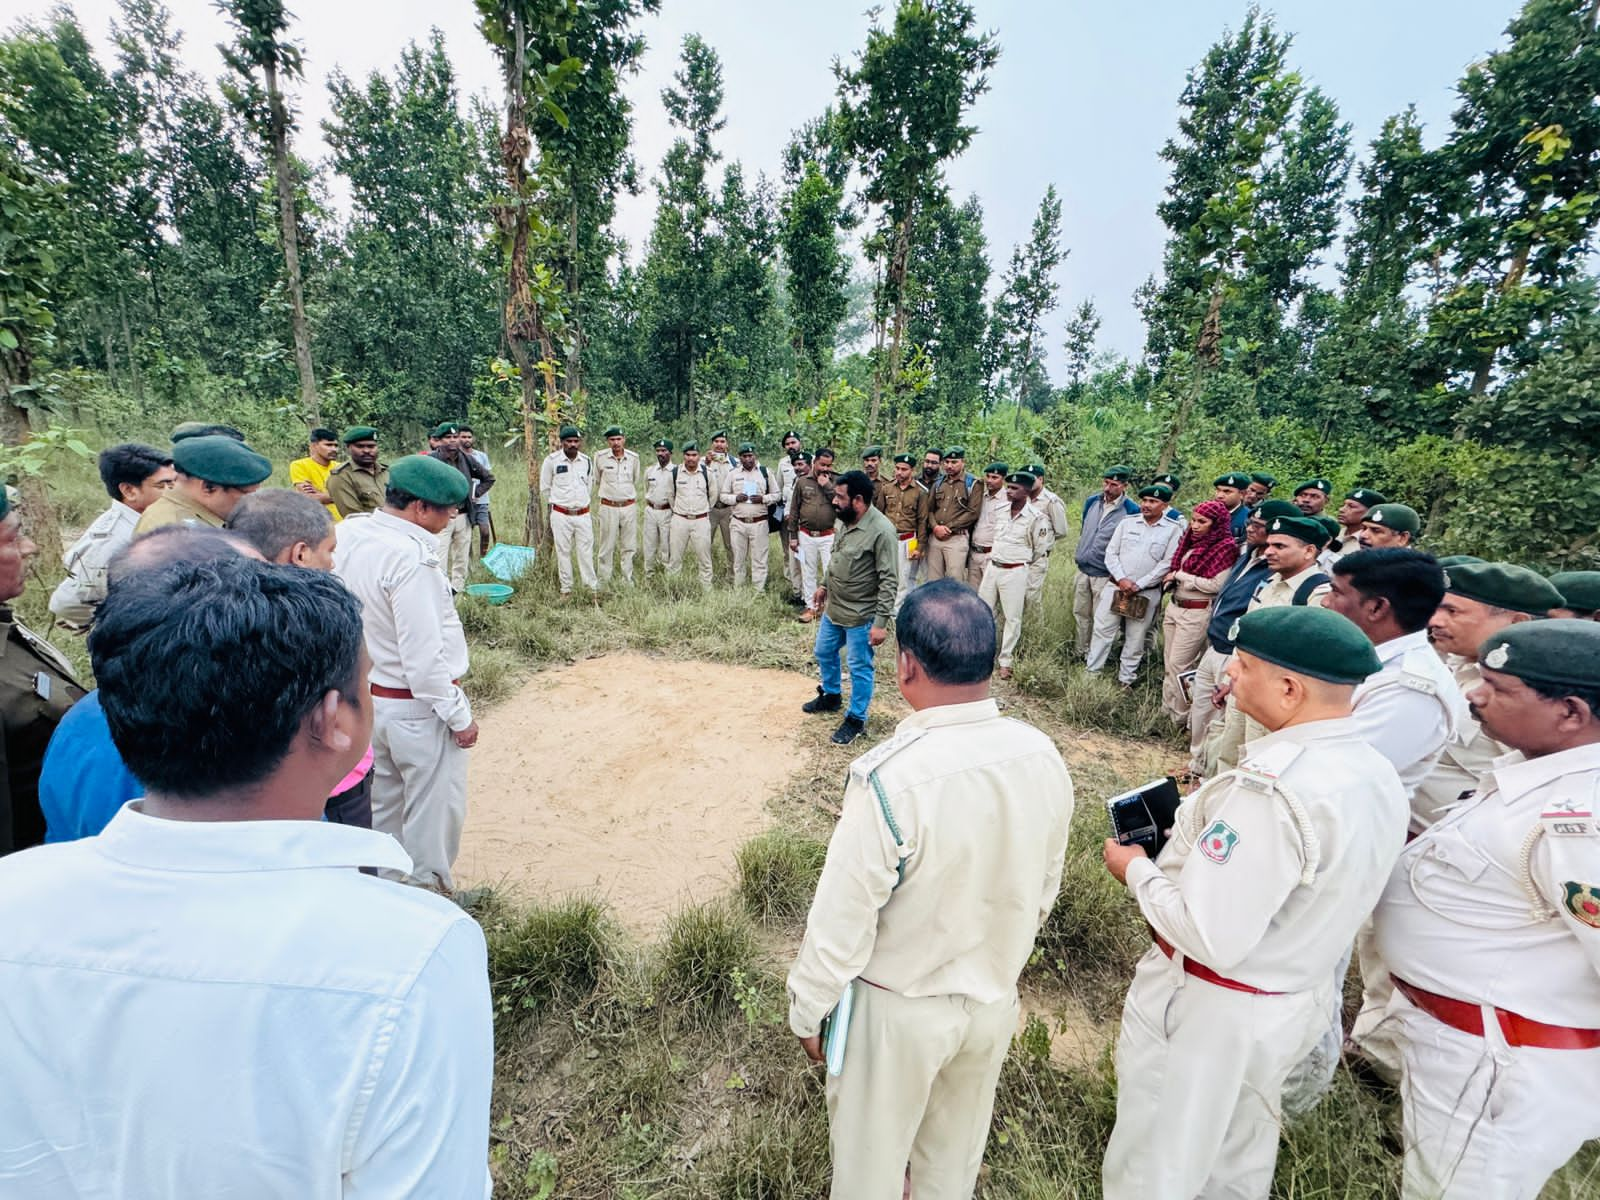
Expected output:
(1261, 770)
(883, 752)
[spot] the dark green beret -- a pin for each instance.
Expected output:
(1580, 589)
(193, 429)
(721, 433)
(1456, 560)
(872, 452)
(1159, 491)
(188, 429)
(663, 444)
(1269, 510)
(1172, 481)
(612, 431)
(793, 433)
(695, 446)
(1117, 472)
(1307, 640)
(426, 478)
(805, 455)
(909, 459)
(1035, 469)
(1332, 526)
(1399, 517)
(1304, 528)
(359, 433)
(1266, 481)
(1321, 485)
(1233, 479)
(933, 450)
(955, 452)
(997, 468)
(1504, 585)
(222, 461)
(1366, 497)
(445, 428)
(1563, 652)
(747, 447)
(1022, 478)
(569, 431)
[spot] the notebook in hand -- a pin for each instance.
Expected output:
(1143, 816)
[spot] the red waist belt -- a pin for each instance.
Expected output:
(1201, 971)
(1518, 1030)
(389, 693)
(570, 512)
(660, 507)
(1193, 603)
(618, 503)
(1007, 566)
(983, 549)
(750, 520)
(904, 537)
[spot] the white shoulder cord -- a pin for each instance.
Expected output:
(1541, 909)
(1193, 820)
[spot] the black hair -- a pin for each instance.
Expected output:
(166, 544)
(207, 671)
(1412, 581)
(824, 452)
(947, 629)
(857, 485)
(1560, 691)
(394, 497)
(275, 519)
(322, 434)
(130, 463)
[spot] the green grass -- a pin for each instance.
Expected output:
(778, 872)
(547, 954)
(705, 951)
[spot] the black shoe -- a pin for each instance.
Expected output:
(824, 702)
(852, 728)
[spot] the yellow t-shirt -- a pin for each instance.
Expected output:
(309, 470)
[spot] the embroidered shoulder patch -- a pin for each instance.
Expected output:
(1583, 902)
(1217, 842)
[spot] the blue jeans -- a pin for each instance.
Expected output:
(831, 639)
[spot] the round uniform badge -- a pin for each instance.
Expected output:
(1497, 658)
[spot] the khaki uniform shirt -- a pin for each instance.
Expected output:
(619, 477)
(952, 504)
(692, 494)
(1023, 538)
(787, 474)
(658, 485)
(1499, 902)
(37, 687)
(354, 490)
(172, 507)
(566, 481)
(989, 508)
(1055, 508)
(906, 507)
(1274, 866)
(718, 469)
(1463, 761)
(1277, 592)
(863, 572)
(810, 508)
(76, 597)
(750, 492)
(983, 803)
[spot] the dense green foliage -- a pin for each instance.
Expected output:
(1418, 315)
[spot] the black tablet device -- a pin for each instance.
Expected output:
(1143, 816)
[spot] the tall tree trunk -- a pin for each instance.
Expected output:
(1205, 357)
(283, 177)
(1514, 274)
(899, 263)
(878, 331)
(134, 375)
(574, 375)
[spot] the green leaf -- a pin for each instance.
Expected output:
(8, 339)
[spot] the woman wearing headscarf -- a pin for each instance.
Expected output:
(1199, 565)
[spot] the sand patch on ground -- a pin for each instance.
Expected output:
(631, 777)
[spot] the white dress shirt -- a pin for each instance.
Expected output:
(1409, 710)
(1466, 756)
(229, 1009)
(565, 481)
(413, 633)
(76, 596)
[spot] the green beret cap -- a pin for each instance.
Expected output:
(1456, 560)
(222, 461)
(1367, 497)
(1020, 477)
(1158, 490)
(1504, 585)
(188, 429)
(1233, 479)
(426, 478)
(444, 428)
(721, 433)
(1322, 485)
(359, 433)
(1270, 510)
(793, 433)
(747, 447)
(908, 459)
(663, 444)
(569, 431)
(1580, 589)
(1303, 528)
(612, 431)
(872, 452)
(1172, 481)
(933, 450)
(955, 452)
(695, 446)
(1035, 469)
(1307, 640)
(1398, 517)
(1117, 472)
(997, 468)
(1330, 524)
(1563, 652)
(1266, 481)
(805, 455)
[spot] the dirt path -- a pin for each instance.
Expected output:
(630, 776)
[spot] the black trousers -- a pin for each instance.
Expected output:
(353, 807)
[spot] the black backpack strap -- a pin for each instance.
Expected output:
(1311, 584)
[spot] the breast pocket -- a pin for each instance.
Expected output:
(1458, 881)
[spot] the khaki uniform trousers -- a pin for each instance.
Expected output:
(751, 540)
(1226, 737)
(573, 534)
(1209, 675)
(691, 534)
(455, 550)
(657, 538)
(721, 520)
(947, 559)
(419, 787)
(1086, 593)
(1199, 1071)
(1134, 633)
(815, 553)
(1185, 633)
(977, 562)
(1037, 570)
(619, 530)
(1005, 590)
(917, 1087)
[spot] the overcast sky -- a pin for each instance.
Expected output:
(1083, 97)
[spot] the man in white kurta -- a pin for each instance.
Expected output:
(1021, 537)
(565, 480)
(1138, 557)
